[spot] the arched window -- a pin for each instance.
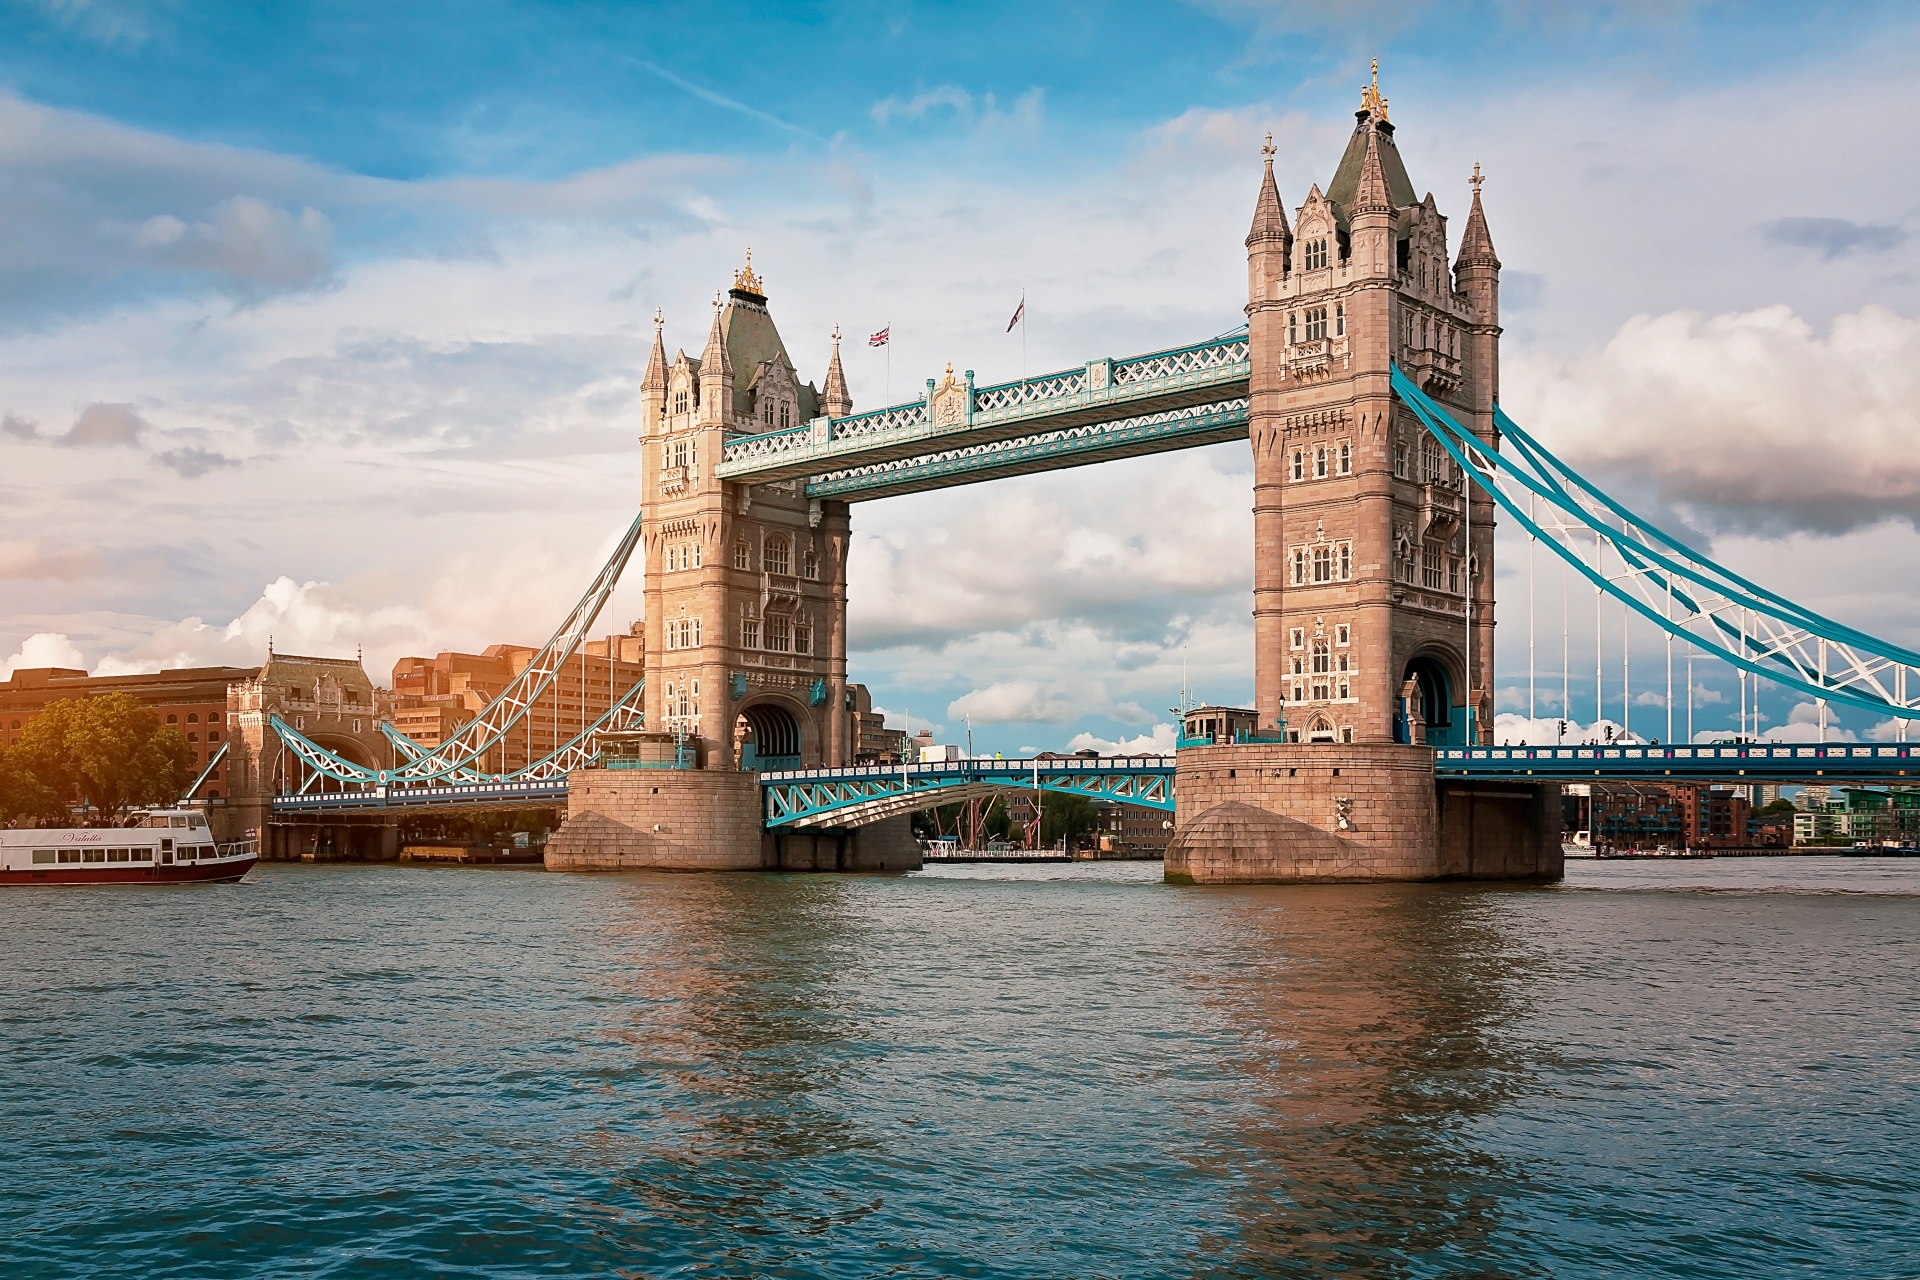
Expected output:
(680, 402)
(742, 555)
(786, 416)
(1322, 656)
(777, 557)
(810, 563)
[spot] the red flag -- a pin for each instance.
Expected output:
(880, 339)
(1018, 311)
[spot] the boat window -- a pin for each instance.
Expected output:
(69, 855)
(95, 855)
(176, 822)
(117, 855)
(42, 857)
(197, 820)
(143, 855)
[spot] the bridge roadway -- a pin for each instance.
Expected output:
(960, 434)
(805, 798)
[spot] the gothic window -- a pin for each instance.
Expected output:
(1339, 319)
(1316, 254)
(749, 634)
(1297, 638)
(1343, 560)
(1322, 656)
(742, 556)
(779, 638)
(1323, 563)
(1430, 461)
(680, 402)
(803, 637)
(1299, 465)
(1299, 666)
(1346, 731)
(810, 563)
(680, 453)
(1343, 635)
(1319, 690)
(1299, 575)
(1407, 558)
(766, 412)
(1343, 454)
(1316, 323)
(1293, 327)
(696, 555)
(1453, 575)
(1400, 459)
(778, 556)
(786, 416)
(1430, 567)
(1320, 463)
(695, 640)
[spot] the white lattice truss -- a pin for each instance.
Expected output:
(213, 762)
(1677, 589)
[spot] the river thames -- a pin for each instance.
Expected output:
(1694, 1069)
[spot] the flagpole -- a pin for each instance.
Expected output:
(1023, 335)
(888, 398)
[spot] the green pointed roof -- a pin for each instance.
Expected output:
(1346, 178)
(752, 338)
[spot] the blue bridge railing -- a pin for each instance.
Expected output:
(1719, 762)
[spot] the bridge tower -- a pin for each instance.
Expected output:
(1373, 582)
(745, 583)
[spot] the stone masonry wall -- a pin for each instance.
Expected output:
(659, 819)
(1266, 813)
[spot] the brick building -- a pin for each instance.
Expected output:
(191, 699)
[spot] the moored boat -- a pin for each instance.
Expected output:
(161, 846)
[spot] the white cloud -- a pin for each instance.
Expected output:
(1161, 742)
(46, 649)
(913, 108)
(1748, 421)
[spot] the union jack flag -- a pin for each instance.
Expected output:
(880, 339)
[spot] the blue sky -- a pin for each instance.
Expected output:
(325, 320)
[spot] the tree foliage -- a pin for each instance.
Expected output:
(1065, 815)
(110, 750)
(22, 795)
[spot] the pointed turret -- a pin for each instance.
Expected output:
(1476, 244)
(1476, 271)
(1270, 241)
(716, 374)
(653, 387)
(656, 379)
(1269, 215)
(1371, 195)
(835, 401)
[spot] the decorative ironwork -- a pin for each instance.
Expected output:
(800, 798)
(1072, 446)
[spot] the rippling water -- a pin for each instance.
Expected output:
(1698, 1069)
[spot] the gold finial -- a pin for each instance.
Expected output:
(1476, 179)
(1269, 149)
(745, 280)
(1370, 100)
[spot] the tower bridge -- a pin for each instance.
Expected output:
(1365, 380)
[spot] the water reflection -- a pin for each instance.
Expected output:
(733, 1022)
(1371, 1021)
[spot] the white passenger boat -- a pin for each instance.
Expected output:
(161, 846)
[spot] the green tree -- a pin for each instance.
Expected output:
(1065, 814)
(23, 796)
(111, 750)
(1782, 805)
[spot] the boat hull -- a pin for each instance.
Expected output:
(219, 871)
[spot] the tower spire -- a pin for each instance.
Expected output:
(834, 398)
(1269, 215)
(656, 379)
(1372, 193)
(714, 360)
(1370, 100)
(1476, 243)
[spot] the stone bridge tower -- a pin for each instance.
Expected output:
(1370, 571)
(746, 585)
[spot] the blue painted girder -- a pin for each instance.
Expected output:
(852, 797)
